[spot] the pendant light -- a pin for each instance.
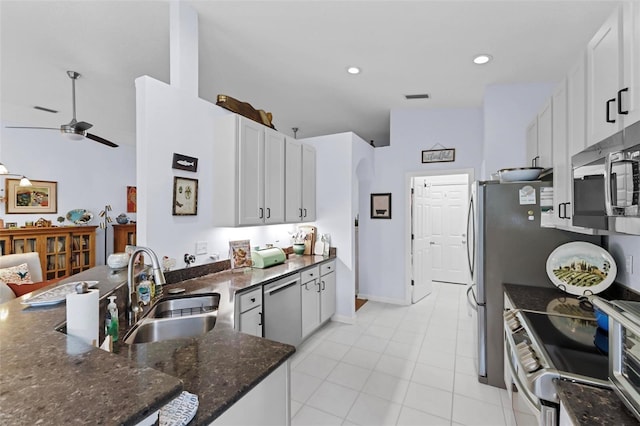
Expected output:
(23, 179)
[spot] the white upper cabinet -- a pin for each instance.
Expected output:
(561, 166)
(608, 98)
(577, 108)
(248, 187)
(630, 98)
(274, 183)
(545, 137)
(293, 181)
(300, 177)
(532, 142)
(308, 183)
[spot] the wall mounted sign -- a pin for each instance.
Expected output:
(185, 196)
(41, 197)
(381, 206)
(439, 155)
(184, 162)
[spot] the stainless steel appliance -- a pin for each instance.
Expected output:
(506, 245)
(282, 310)
(624, 350)
(541, 347)
(606, 183)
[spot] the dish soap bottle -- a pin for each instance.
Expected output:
(144, 290)
(111, 321)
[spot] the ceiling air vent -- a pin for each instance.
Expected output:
(418, 96)
(53, 111)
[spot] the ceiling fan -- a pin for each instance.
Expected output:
(75, 130)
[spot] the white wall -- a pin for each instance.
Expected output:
(382, 242)
(89, 175)
(621, 246)
(508, 110)
(337, 158)
(169, 120)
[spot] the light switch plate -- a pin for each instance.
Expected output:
(201, 247)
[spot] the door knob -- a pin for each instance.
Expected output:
(432, 243)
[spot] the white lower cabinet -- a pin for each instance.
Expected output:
(310, 298)
(318, 296)
(248, 311)
(266, 404)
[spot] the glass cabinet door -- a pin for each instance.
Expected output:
(81, 258)
(56, 251)
(24, 245)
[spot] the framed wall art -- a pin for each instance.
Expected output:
(41, 197)
(132, 199)
(381, 206)
(184, 162)
(439, 155)
(185, 196)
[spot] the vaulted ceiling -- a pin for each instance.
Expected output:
(287, 57)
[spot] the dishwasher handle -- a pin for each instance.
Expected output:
(278, 288)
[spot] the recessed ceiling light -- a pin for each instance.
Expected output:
(353, 70)
(482, 59)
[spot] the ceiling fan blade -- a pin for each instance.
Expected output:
(29, 127)
(101, 140)
(82, 125)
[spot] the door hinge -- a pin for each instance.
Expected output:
(413, 283)
(412, 190)
(412, 237)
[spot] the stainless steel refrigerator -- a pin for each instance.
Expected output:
(506, 245)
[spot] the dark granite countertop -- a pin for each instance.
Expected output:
(591, 406)
(586, 405)
(51, 378)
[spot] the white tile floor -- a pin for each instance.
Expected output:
(398, 365)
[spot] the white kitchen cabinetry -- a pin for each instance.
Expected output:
(248, 311)
(577, 108)
(539, 139)
(561, 167)
(532, 142)
(545, 136)
(613, 74)
(268, 403)
(327, 290)
(310, 297)
(300, 187)
(248, 173)
(318, 295)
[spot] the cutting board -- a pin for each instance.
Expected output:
(310, 240)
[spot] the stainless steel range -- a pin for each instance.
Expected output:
(541, 347)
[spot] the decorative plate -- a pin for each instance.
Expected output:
(79, 216)
(577, 329)
(55, 295)
(581, 268)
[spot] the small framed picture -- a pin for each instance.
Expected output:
(185, 196)
(10, 225)
(439, 155)
(381, 206)
(132, 199)
(184, 162)
(40, 197)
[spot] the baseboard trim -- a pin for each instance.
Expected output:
(344, 319)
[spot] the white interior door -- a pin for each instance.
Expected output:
(448, 205)
(421, 259)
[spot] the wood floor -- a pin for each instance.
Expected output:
(360, 303)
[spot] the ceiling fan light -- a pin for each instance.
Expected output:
(72, 134)
(25, 182)
(4, 170)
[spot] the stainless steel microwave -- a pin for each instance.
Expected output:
(606, 183)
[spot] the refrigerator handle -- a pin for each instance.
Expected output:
(471, 230)
(473, 304)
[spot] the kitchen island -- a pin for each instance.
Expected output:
(49, 377)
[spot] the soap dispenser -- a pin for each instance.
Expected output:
(111, 320)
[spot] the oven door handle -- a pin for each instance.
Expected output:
(530, 397)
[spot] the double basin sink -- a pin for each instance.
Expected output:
(176, 317)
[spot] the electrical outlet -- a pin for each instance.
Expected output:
(629, 264)
(201, 247)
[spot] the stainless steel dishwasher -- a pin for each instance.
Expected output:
(282, 312)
